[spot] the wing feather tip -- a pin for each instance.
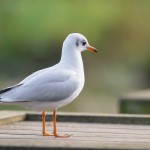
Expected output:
(9, 88)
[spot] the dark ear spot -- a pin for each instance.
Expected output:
(77, 43)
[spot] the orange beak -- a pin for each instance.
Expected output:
(92, 49)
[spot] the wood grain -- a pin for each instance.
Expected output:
(84, 135)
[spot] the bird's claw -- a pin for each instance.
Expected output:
(47, 134)
(56, 135)
(61, 136)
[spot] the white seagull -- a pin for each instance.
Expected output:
(55, 86)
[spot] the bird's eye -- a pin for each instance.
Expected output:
(83, 43)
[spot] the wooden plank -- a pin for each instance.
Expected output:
(95, 118)
(138, 95)
(7, 117)
(135, 103)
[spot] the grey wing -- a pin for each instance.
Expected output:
(22, 82)
(9, 88)
(33, 75)
(49, 86)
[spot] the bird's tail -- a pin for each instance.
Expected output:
(0, 99)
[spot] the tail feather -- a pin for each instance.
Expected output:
(9, 88)
(6, 90)
(3, 91)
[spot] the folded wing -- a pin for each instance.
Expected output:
(48, 85)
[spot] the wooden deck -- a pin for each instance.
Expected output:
(88, 131)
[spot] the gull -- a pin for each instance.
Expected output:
(55, 86)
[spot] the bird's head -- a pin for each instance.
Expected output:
(79, 42)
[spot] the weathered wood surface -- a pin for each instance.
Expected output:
(138, 95)
(136, 102)
(7, 117)
(84, 135)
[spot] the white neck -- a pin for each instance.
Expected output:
(72, 59)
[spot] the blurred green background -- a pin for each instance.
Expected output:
(32, 32)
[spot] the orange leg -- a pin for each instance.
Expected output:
(43, 125)
(55, 130)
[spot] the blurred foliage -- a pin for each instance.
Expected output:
(32, 32)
